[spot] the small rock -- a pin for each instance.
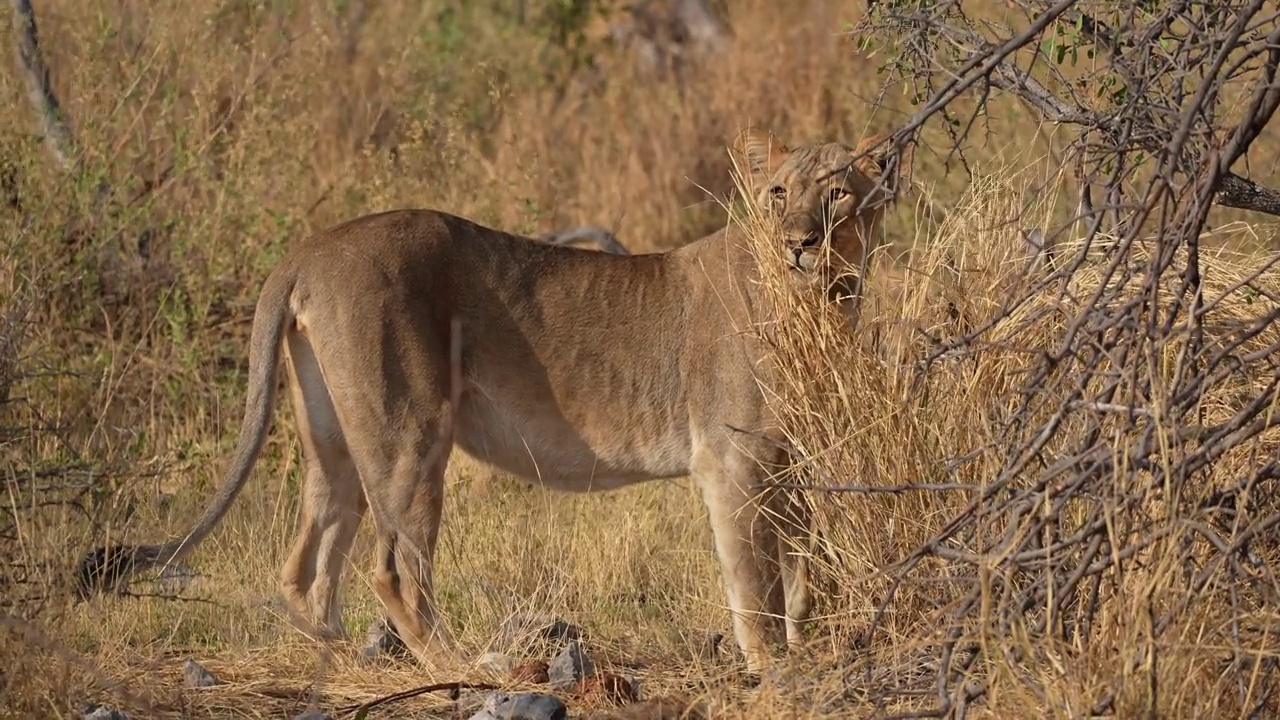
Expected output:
(468, 702)
(175, 578)
(382, 640)
(521, 706)
(102, 712)
(523, 630)
(497, 662)
(311, 714)
(568, 668)
(780, 676)
(196, 676)
(713, 643)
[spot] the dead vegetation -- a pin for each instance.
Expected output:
(1097, 443)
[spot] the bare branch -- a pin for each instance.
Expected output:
(1102, 456)
(992, 64)
(30, 60)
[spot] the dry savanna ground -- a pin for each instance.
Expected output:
(228, 130)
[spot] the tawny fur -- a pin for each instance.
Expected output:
(407, 333)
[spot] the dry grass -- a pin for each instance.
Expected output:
(861, 413)
(256, 129)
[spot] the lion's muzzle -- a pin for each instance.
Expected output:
(805, 250)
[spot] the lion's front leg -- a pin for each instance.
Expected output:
(746, 542)
(793, 556)
(407, 506)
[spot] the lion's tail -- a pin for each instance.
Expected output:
(106, 568)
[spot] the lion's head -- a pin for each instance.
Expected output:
(817, 193)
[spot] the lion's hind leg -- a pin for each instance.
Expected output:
(332, 502)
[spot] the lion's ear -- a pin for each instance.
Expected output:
(874, 162)
(763, 152)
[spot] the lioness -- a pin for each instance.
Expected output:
(408, 332)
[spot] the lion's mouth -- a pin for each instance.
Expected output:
(804, 254)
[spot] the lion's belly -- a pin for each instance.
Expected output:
(605, 451)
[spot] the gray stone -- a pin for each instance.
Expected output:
(521, 706)
(568, 668)
(469, 702)
(102, 712)
(497, 662)
(311, 714)
(381, 640)
(196, 676)
(523, 631)
(175, 578)
(713, 643)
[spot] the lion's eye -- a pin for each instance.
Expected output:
(838, 194)
(778, 192)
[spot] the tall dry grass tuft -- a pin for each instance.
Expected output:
(903, 440)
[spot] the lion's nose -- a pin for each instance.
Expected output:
(805, 242)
